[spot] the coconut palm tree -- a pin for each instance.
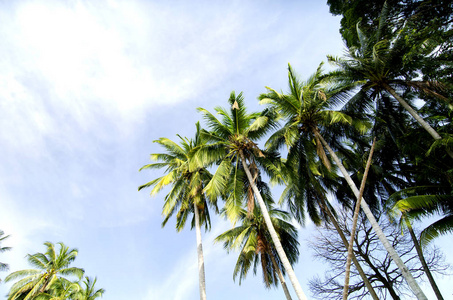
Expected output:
(379, 66)
(306, 110)
(256, 248)
(89, 291)
(50, 267)
(308, 177)
(233, 143)
(186, 195)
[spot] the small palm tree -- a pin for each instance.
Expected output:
(233, 143)
(186, 195)
(257, 249)
(89, 291)
(50, 267)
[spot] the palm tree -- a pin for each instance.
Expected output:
(186, 195)
(254, 241)
(308, 180)
(307, 111)
(234, 139)
(3, 266)
(50, 267)
(379, 66)
(89, 292)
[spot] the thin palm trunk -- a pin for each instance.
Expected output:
(377, 229)
(278, 246)
(201, 276)
(280, 276)
(354, 224)
(416, 116)
(422, 260)
(354, 258)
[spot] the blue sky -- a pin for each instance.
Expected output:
(86, 86)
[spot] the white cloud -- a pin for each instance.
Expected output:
(106, 63)
(121, 57)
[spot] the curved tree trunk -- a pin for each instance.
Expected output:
(354, 223)
(201, 276)
(278, 246)
(395, 257)
(353, 257)
(416, 116)
(422, 260)
(280, 276)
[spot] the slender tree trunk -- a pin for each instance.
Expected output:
(201, 276)
(278, 246)
(416, 116)
(354, 224)
(354, 258)
(398, 261)
(280, 276)
(422, 260)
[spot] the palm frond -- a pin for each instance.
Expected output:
(436, 229)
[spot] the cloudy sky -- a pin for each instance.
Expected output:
(85, 88)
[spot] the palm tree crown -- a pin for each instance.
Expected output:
(255, 244)
(186, 184)
(306, 109)
(50, 266)
(381, 66)
(232, 139)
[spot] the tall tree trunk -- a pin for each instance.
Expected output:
(422, 260)
(416, 116)
(354, 258)
(280, 276)
(354, 223)
(377, 229)
(278, 246)
(201, 276)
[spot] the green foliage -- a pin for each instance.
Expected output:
(307, 108)
(230, 140)
(255, 245)
(426, 18)
(88, 291)
(51, 269)
(186, 182)
(422, 201)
